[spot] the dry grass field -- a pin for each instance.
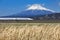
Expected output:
(29, 31)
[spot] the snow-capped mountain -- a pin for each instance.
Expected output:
(33, 11)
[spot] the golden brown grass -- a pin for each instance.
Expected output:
(29, 31)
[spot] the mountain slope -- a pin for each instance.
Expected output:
(31, 13)
(54, 16)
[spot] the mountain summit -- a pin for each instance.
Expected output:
(38, 7)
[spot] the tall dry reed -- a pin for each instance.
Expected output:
(27, 31)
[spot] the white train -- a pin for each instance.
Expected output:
(16, 19)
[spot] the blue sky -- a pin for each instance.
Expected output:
(8, 7)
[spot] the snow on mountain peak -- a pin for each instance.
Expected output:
(38, 7)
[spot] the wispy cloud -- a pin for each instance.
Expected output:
(43, 4)
(59, 3)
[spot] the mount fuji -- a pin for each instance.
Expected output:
(35, 11)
